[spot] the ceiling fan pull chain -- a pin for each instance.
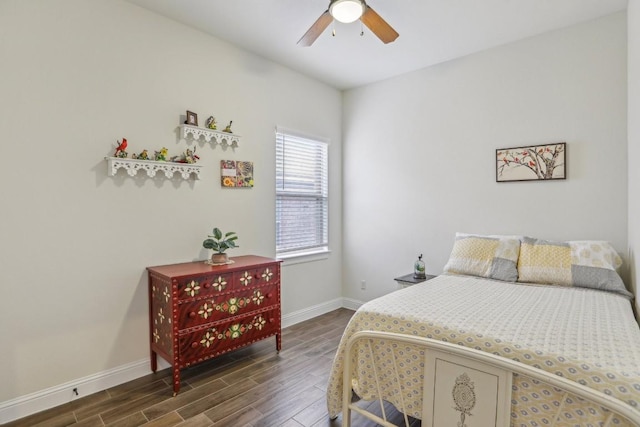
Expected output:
(361, 29)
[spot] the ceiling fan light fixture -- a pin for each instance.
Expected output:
(346, 11)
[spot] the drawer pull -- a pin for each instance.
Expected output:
(192, 314)
(207, 285)
(194, 344)
(270, 295)
(271, 320)
(257, 276)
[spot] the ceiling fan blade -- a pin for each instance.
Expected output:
(378, 26)
(316, 29)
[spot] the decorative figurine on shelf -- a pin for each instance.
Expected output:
(188, 156)
(120, 149)
(161, 156)
(211, 123)
(228, 128)
(144, 155)
(419, 271)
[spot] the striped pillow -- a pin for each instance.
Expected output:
(586, 263)
(492, 257)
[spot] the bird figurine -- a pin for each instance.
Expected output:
(228, 128)
(144, 155)
(211, 123)
(120, 150)
(161, 155)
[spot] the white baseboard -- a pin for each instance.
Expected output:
(351, 304)
(54, 396)
(29, 404)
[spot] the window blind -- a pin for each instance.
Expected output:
(302, 193)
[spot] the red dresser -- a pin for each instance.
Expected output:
(198, 311)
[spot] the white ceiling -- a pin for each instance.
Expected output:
(431, 31)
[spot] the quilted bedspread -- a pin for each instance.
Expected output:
(585, 335)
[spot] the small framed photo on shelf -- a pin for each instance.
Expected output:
(192, 118)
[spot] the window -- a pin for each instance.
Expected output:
(302, 194)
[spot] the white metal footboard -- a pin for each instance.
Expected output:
(461, 386)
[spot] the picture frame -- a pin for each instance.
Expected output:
(236, 174)
(544, 162)
(192, 118)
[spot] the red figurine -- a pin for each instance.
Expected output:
(120, 151)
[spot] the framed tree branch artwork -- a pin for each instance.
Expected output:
(533, 163)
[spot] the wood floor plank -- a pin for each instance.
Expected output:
(183, 399)
(230, 392)
(144, 381)
(244, 417)
(204, 376)
(135, 405)
(283, 370)
(252, 369)
(121, 399)
(281, 404)
(291, 423)
(312, 413)
(94, 421)
(199, 420)
(286, 409)
(132, 420)
(232, 406)
(58, 421)
(167, 420)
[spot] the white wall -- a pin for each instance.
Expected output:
(75, 77)
(419, 152)
(633, 82)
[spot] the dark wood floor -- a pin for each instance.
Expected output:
(254, 386)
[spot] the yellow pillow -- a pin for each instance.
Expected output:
(493, 257)
(582, 263)
(544, 262)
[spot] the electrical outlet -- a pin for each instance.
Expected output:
(363, 284)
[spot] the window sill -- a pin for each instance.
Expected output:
(302, 257)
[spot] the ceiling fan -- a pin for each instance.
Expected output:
(347, 11)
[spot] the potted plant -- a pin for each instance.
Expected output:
(220, 243)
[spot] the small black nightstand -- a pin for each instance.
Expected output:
(408, 280)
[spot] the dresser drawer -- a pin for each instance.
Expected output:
(201, 286)
(224, 305)
(256, 276)
(210, 341)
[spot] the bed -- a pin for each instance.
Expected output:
(575, 325)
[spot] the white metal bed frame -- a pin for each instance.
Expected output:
(476, 358)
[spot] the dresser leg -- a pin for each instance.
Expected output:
(176, 381)
(154, 361)
(278, 342)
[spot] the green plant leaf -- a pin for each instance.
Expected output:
(217, 233)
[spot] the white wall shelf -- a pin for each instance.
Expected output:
(210, 135)
(151, 167)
